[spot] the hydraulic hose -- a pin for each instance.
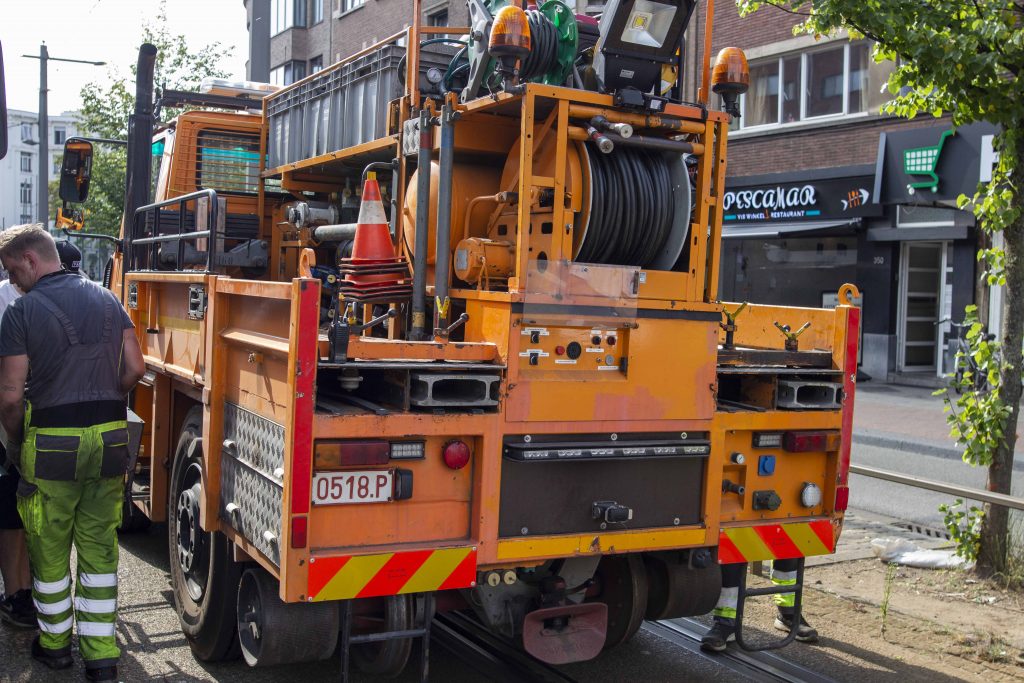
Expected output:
(632, 210)
(544, 51)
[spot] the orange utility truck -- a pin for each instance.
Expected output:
(437, 328)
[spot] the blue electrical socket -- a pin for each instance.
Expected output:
(766, 465)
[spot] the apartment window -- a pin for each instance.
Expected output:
(316, 64)
(318, 11)
(60, 134)
(346, 5)
(25, 217)
(438, 18)
(284, 14)
(26, 195)
(26, 162)
(26, 131)
(833, 81)
(288, 73)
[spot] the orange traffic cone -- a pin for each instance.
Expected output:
(374, 274)
(373, 239)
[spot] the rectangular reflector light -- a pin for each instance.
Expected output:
(805, 442)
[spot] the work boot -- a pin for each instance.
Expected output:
(722, 631)
(804, 632)
(101, 673)
(18, 609)
(55, 659)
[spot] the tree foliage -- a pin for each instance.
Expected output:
(107, 105)
(962, 58)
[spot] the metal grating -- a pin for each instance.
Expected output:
(252, 474)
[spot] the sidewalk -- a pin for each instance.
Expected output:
(906, 419)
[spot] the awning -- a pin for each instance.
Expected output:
(755, 230)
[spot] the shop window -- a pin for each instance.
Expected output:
(838, 80)
(910, 216)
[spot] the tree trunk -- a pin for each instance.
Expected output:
(995, 527)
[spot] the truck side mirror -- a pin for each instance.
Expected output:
(76, 170)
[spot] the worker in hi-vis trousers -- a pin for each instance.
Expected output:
(75, 345)
(723, 629)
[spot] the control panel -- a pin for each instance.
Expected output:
(574, 349)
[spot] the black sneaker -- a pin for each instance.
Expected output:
(804, 632)
(55, 659)
(101, 673)
(722, 632)
(18, 610)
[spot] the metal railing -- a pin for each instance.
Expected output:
(152, 244)
(940, 486)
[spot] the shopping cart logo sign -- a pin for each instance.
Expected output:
(922, 161)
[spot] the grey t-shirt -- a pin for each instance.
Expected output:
(29, 328)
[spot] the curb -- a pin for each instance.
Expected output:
(903, 444)
(921, 447)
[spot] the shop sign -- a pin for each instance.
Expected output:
(934, 165)
(830, 199)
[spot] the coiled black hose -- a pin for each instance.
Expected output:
(544, 49)
(631, 209)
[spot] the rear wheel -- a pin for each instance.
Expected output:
(622, 585)
(204, 576)
(273, 632)
(386, 658)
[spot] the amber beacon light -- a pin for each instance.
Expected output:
(731, 78)
(510, 38)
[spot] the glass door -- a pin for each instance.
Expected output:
(922, 293)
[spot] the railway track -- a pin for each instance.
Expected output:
(755, 666)
(501, 661)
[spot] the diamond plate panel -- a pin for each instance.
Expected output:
(251, 478)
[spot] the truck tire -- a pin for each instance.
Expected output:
(622, 580)
(204, 575)
(386, 659)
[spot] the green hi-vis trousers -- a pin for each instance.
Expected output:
(78, 478)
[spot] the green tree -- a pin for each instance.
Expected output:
(107, 105)
(961, 58)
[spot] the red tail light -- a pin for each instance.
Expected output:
(842, 497)
(805, 442)
(456, 454)
(334, 454)
(298, 532)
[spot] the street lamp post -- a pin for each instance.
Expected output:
(44, 129)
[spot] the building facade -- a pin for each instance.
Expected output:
(19, 170)
(822, 189)
(295, 38)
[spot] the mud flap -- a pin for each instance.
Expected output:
(566, 634)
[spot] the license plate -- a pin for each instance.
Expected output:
(336, 488)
